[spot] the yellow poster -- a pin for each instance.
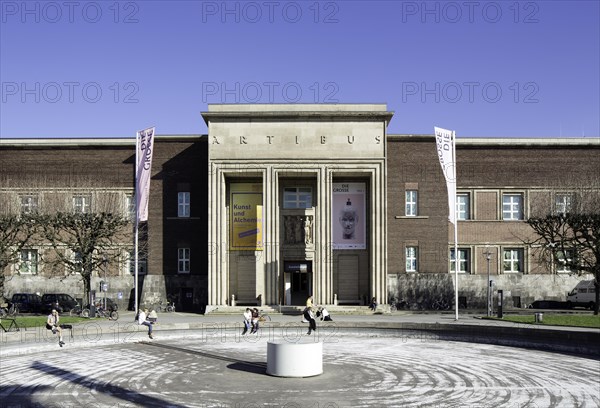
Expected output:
(246, 227)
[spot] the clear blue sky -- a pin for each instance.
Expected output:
(482, 68)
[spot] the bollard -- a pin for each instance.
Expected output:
(539, 317)
(500, 300)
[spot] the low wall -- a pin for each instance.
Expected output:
(519, 290)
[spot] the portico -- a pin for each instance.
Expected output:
(297, 203)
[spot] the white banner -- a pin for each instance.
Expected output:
(144, 147)
(445, 149)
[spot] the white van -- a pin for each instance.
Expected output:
(584, 294)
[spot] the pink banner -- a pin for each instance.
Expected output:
(144, 146)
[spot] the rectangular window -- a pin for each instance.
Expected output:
(464, 260)
(563, 203)
(183, 260)
(29, 204)
(142, 264)
(512, 207)
(411, 203)
(463, 206)
(297, 197)
(29, 261)
(562, 258)
(77, 262)
(411, 259)
(183, 204)
(130, 206)
(82, 203)
(513, 260)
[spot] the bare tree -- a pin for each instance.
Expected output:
(16, 232)
(86, 241)
(567, 233)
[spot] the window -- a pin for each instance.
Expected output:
(562, 257)
(411, 259)
(183, 204)
(464, 260)
(142, 264)
(463, 206)
(297, 197)
(82, 203)
(513, 260)
(130, 206)
(77, 262)
(29, 204)
(29, 261)
(183, 260)
(411, 203)
(563, 203)
(512, 207)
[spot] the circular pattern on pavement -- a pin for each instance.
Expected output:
(220, 368)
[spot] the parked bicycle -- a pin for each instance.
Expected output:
(169, 307)
(109, 314)
(396, 305)
(11, 311)
(100, 312)
(440, 304)
(79, 311)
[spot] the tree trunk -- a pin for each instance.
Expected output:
(597, 303)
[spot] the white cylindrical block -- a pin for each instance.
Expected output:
(294, 359)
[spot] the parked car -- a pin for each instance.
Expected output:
(61, 301)
(548, 304)
(583, 295)
(27, 302)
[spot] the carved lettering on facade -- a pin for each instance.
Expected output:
(323, 139)
(270, 139)
(243, 140)
(351, 139)
(215, 140)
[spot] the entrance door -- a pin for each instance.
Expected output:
(299, 276)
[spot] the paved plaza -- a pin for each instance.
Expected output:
(216, 367)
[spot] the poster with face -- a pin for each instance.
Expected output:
(348, 216)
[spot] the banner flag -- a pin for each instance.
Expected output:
(445, 149)
(144, 148)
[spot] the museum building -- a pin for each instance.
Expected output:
(278, 202)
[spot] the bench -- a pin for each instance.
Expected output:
(12, 326)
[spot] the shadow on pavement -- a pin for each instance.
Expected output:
(112, 390)
(254, 367)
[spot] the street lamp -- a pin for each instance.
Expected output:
(488, 256)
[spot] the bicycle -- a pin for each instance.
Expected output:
(109, 314)
(11, 311)
(396, 305)
(79, 311)
(169, 308)
(440, 305)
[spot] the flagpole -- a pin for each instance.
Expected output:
(137, 218)
(456, 255)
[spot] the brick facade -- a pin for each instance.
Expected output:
(487, 169)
